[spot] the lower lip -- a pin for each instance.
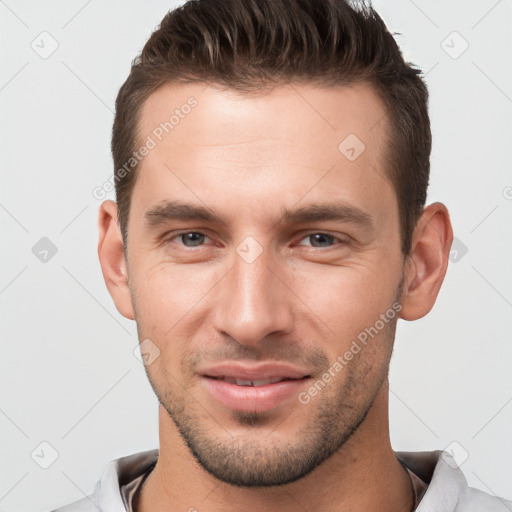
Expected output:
(253, 398)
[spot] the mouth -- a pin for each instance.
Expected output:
(253, 388)
(253, 383)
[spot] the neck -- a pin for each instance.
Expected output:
(364, 474)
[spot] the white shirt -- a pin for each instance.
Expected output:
(447, 489)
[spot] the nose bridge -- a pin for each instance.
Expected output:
(253, 302)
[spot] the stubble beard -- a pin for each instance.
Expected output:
(273, 460)
(335, 415)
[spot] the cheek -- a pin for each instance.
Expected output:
(347, 300)
(169, 299)
(168, 312)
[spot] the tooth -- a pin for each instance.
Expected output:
(260, 382)
(264, 382)
(242, 382)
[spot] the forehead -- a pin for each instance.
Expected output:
(276, 146)
(228, 117)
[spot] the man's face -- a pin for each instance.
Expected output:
(272, 286)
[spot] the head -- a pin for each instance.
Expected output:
(274, 222)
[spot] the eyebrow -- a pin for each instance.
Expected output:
(176, 210)
(341, 211)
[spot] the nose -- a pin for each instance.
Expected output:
(253, 301)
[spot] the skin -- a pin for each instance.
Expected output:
(303, 300)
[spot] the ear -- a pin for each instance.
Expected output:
(112, 259)
(427, 262)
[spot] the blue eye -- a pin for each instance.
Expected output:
(193, 237)
(317, 240)
(321, 240)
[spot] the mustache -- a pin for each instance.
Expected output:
(279, 352)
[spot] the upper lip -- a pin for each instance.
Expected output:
(260, 371)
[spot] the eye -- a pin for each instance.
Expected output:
(189, 238)
(320, 240)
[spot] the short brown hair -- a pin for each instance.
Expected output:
(246, 45)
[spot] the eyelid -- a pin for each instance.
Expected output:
(343, 239)
(176, 234)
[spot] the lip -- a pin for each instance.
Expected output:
(253, 398)
(259, 371)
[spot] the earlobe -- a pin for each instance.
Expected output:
(427, 262)
(112, 259)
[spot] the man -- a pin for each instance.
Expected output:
(271, 168)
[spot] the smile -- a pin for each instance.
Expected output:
(254, 383)
(254, 387)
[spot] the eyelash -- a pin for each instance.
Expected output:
(335, 239)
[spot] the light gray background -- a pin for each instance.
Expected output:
(68, 373)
